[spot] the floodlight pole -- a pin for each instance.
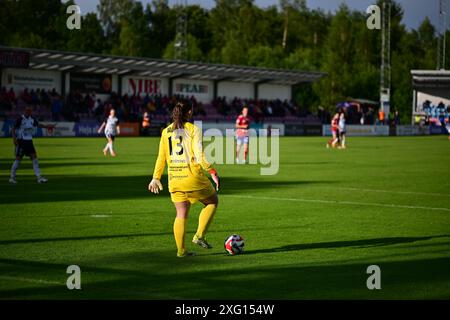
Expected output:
(442, 30)
(385, 72)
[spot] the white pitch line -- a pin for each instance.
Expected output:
(31, 280)
(385, 205)
(399, 192)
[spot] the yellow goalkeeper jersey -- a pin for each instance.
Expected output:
(182, 150)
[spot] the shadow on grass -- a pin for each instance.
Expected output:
(44, 161)
(102, 237)
(69, 164)
(306, 163)
(364, 243)
(79, 188)
(121, 236)
(158, 276)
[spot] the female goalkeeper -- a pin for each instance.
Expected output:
(181, 148)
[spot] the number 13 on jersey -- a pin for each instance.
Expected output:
(178, 145)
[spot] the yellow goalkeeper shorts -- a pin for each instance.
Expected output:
(192, 196)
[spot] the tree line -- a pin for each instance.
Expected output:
(289, 35)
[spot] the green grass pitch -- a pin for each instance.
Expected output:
(311, 230)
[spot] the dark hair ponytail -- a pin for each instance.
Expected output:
(180, 115)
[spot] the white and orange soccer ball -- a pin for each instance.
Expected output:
(234, 244)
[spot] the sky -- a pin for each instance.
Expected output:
(415, 10)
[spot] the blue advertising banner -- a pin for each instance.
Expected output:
(6, 127)
(438, 130)
(56, 129)
(86, 129)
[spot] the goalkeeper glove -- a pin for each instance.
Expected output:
(155, 186)
(215, 178)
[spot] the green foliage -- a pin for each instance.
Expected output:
(289, 36)
(194, 52)
(198, 18)
(161, 23)
(90, 38)
(133, 33)
(339, 55)
(112, 13)
(265, 56)
(234, 51)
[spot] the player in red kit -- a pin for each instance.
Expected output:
(242, 125)
(335, 131)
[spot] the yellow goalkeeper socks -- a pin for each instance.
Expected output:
(179, 231)
(205, 218)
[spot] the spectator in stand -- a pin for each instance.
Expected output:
(417, 119)
(426, 107)
(121, 111)
(99, 110)
(259, 108)
(199, 110)
(26, 96)
(295, 109)
(53, 93)
(269, 110)
(146, 100)
(441, 108)
(442, 116)
(84, 106)
(151, 106)
(134, 109)
(4, 100)
(145, 125)
(95, 106)
(289, 106)
(257, 114)
(45, 99)
(433, 110)
(396, 118)
(35, 97)
(236, 105)
(91, 103)
(370, 117)
(56, 108)
(381, 117)
(12, 96)
(77, 105)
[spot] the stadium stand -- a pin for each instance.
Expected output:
(71, 86)
(50, 105)
(431, 96)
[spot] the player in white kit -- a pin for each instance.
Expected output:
(112, 128)
(342, 130)
(447, 126)
(22, 134)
